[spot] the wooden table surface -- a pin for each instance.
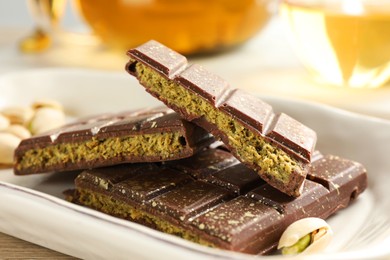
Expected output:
(14, 248)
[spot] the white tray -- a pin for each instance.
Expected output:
(33, 208)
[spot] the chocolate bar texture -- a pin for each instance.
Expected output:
(277, 146)
(212, 199)
(144, 135)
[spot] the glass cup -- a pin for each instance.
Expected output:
(190, 26)
(341, 42)
(47, 15)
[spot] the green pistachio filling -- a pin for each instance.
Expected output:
(250, 146)
(298, 247)
(165, 145)
(112, 206)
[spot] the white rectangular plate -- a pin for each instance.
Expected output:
(33, 208)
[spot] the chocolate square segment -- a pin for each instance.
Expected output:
(166, 62)
(108, 177)
(293, 135)
(333, 171)
(237, 178)
(247, 108)
(335, 174)
(205, 163)
(240, 219)
(191, 199)
(150, 184)
(301, 208)
(203, 82)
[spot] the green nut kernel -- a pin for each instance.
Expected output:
(305, 236)
(298, 247)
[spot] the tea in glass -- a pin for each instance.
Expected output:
(190, 26)
(342, 42)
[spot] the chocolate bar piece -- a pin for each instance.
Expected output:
(275, 145)
(146, 135)
(220, 202)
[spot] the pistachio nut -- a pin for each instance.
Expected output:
(307, 235)
(18, 114)
(8, 143)
(46, 102)
(45, 119)
(4, 122)
(18, 130)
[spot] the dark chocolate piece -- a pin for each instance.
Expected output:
(201, 165)
(230, 208)
(237, 178)
(278, 147)
(146, 135)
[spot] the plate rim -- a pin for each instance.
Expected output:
(323, 107)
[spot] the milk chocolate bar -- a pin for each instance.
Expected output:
(146, 135)
(278, 147)
(218, 202)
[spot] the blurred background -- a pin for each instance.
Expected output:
(192, 28)
(257, 45)
(15, 14)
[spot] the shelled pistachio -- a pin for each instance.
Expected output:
(21, 122)
(307, 235)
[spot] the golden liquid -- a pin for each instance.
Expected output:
(342, 49)
(188, 26)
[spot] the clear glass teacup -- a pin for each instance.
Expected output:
(341, 42)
